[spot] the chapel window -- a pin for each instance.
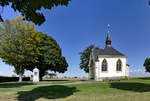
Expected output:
(119, 65)
(104, 65)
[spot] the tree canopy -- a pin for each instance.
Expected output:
(31, 9)
(25, 48)
(85, 57)
(18, 42)
(147, 64)
(50, 75)
(50, 57)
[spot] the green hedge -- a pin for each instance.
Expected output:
(9, 79)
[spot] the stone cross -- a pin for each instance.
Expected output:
(36, 75)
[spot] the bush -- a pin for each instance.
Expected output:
(9, 79)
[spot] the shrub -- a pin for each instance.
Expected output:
(10, 79)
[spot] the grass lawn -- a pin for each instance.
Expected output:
(125, 90)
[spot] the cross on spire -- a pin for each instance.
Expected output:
(108, 39)
(108, 26)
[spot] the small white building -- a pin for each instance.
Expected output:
(36, 75)
(107, 63)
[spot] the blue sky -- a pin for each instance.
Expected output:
(84, 22)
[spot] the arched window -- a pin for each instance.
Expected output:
(119, 65)
(104, 65)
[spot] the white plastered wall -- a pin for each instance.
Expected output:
(111, 70)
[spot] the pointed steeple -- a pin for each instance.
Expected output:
(108, 39)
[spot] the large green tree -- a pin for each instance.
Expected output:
(85, 57)
(18, 44)
(50, 57)
(31, 9)
(147, 64)
(24, 48)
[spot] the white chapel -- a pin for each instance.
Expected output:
(107, 63)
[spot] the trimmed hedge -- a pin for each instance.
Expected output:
(9, 79)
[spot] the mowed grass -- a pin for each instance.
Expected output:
(125, 90)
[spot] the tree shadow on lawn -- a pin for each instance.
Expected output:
(131, 86)
(14, 84)
(144, 78)
(48, 92)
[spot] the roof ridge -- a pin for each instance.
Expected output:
(108, 51)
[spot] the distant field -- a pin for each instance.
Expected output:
(136, 89)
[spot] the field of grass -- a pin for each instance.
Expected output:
(137, 89)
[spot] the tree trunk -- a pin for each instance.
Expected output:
(40, 76)
(42, 73)
(41, 79)
(20, 77)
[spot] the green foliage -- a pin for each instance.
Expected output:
(10, 79)
(18, 44)
(50, 57)
(85, 57)
(51, 75)
(24, 48)
(147, 64)
(31, 8)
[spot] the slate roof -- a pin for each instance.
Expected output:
(107, 51)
